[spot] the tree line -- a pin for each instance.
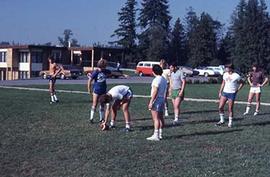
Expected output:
(197, 40)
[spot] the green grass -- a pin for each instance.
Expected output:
(39, 139)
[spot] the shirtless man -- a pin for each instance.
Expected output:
(54, 69)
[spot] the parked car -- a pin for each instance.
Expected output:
(145, 68)
(220, 69)
(115, 72)
(69, 71)
(206, 72)
(189, 71)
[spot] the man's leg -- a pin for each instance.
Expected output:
(222, 102)
(176, 107)
(230, 109)
(126, 113)
(93, 108)
(250, 98)
(258, 103)
(155, 136)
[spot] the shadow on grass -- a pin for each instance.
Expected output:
(255, 124)
(204, 133)
(201, 111)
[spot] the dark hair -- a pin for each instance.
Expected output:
(157, 70)
(255, 65)
(51, 58)
(230, 66)
(174, 64)
(104, 99)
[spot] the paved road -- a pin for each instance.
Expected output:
(82, 80)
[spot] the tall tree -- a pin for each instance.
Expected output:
(154, 20)
(126, 33)
(64, 41)
(177, 46)
(203, 42)
(250, 34)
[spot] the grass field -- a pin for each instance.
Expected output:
(39, 139)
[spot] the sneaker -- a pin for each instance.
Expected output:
(101, 120)
(229, 125)
(127, 130)
(112, 126)
(166, 113)
(256, 113)
(160, 137)
(176, 122)
(153, 138)
(91, 121)
(219, 123)
(245, 113)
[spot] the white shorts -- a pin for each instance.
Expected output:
(255, 90)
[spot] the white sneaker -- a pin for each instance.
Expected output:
(176, 122)
(256, 113)
(153, 138)
(160, 137)
(245, 113)
(220, 123)
(166, 113)
(230, 125)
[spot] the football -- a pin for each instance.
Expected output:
(104, 126)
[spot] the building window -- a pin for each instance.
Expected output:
(57, 55)
(3, 56)
(34, 73)
(23, 74)
(24, 57)
(36, 57)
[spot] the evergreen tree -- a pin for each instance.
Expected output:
(126, 33)
(64, 41)
(177, 46)
(154, 21)
(250, 34)
(202, 42)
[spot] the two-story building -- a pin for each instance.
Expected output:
(26, 61)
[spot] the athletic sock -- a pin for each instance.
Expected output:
(92, 112)
(230, 120)
(112, 123)
(156, 133)
(55, 98)
(101, 113)
(221, 115)
(248, 108)
(127, 125)
(52, 98)
(160, 133)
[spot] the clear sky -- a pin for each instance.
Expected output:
(92, 21)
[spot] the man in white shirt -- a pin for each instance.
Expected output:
(231, 84)
(157, 101)
(116, 97)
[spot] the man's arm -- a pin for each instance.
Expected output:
(221, 88)
(107, 113)
(153, 97)
(183, 88)
(265, 81)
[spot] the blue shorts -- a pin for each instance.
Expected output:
(229, 96)
(159, 105)
(99, 91)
